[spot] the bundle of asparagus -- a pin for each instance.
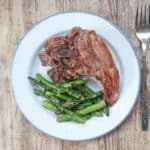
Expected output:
(70, 100)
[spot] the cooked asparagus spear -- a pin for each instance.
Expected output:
(39, 92)
(88, 90)
(106, 110)
(59, 101)
(74, 116)
(54, 100)
(36, 83)
(93, 96)
(60, 96)
(65, 97)
(70, 104)
(66, 117)
(97, 114)
(83, 90)
(83, 105)
(74, 103)
(47, 104)
(72, 83)
(63, 117)
(54, 87)
(53, 108)
(92, 108)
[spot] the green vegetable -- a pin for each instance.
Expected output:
(92, 108)
(88, 90)
(49, 105)
(106, 110)
(74, 103)
(36, 83)
(57, 88)
(38, 92)
(87, 117)
(64, 97)
(71, 100)
(74, 116)
(67, 117)
(70, 104)
(93, 96)
(49, 94)
(97, 114)
(85, 104)
(60, 96)
(96, 100)
(73, 83)
(63, 117)
(83, 90)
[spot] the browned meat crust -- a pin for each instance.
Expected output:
(82, 52)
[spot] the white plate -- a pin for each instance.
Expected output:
(25, 63)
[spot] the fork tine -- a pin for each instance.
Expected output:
(144, 20)
(149, 16)
(137, 14)
(141, 20)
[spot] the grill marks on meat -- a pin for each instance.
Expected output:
(81, 52)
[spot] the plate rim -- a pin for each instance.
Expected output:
(86, 13)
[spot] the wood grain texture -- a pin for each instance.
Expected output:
(16, 17)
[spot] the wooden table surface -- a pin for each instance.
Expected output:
(16, 17)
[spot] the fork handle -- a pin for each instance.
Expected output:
(144, 113)
(144, 98)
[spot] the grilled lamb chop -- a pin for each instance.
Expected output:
(82, 52)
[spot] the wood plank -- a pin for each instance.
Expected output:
(16, 17)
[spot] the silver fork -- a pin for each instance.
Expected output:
(143, 33)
